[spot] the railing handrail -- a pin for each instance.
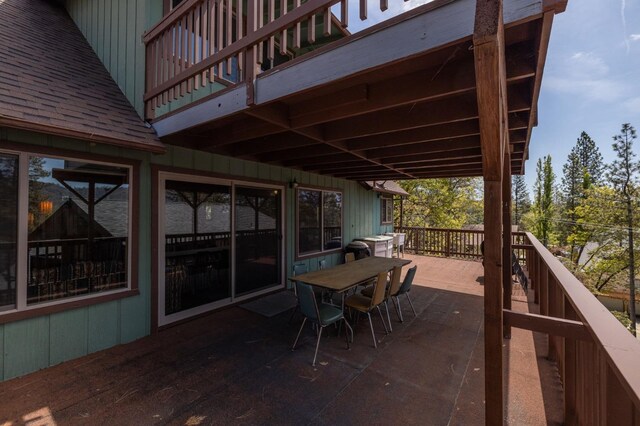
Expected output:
(621, 348)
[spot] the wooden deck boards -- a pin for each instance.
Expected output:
(236, 367)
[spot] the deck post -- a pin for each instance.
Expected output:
(488, 48)
(506, 238)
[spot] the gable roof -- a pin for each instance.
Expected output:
(53, 82)
(385, 187)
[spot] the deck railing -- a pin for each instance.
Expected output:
(229, 41)
(457, 243)
(598, 359)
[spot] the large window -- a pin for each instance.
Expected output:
(319, 221)
(386, 210)
(66, 229)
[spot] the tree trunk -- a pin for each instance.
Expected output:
(632, 269)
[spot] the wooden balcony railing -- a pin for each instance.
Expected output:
(597, 357)
(202, 41)
(458, 243)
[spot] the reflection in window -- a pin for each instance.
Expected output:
(8, 230)
(319, 221)
(197, 245)
(78, 228)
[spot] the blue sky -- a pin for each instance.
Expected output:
(591, 80)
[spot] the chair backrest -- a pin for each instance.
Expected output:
(379, 289)
(299, 269)
(394, 287)
(349, 257)
(322, 264)
(408, 280)
(307, 301)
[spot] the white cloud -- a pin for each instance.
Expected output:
(587, 63)
(585, 75)
(634, 37)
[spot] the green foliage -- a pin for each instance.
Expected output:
(623, 318)
(521, 202)
(443, 203)
(543, 206)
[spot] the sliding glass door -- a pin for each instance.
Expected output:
(258, 239)
(220, 241)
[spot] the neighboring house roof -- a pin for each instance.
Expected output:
(53, 82)
(385, 186)
(69, 221)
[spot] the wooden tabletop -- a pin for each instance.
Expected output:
(345, 276)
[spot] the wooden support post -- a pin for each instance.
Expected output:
(488, 50)
(506, 238)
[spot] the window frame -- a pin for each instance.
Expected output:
(22, 310)
(384, 199)
(296, 230)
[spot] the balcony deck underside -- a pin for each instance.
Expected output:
(396, 101)
(235, 366)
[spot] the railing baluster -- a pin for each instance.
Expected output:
(229, 34)
(272, 40)
(260, 20)
(296, 32)
(189, 48)
(363, 10)
(311, 29)
(197, 38)
(213, 4)
(220, 34)
(384, 5)
(344, 16)
(204, 12)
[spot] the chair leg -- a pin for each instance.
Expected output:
(295, 310)
(386, 306)
(411, 303)
(386, 330)
(315, 355)
(373, 334)
(299, 331)
(396, 303)
(347, 329)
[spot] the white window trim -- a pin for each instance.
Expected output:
(322, 191)
(383, 210)
(163, 177)
(23, 243)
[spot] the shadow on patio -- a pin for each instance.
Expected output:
(234, 366)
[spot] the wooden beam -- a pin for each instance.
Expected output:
(417, 135)
(448, 110)
(506, 238)
(549, 325)
(294, 157)
(434, 156)
(445, 145)
(488, 49)
(279, 142)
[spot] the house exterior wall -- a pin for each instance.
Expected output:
(36, 343)
(114, 30)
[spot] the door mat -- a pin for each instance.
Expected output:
(272, 304)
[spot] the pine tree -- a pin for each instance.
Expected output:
(589, 157)
(544, 193)
(521, 201)
(623, 175)
(583, 169)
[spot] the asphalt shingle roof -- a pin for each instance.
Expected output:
(52, 81)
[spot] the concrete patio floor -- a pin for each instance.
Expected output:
(236, 367)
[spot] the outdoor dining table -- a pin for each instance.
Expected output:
(341, 278)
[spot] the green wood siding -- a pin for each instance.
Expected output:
(114, 30)
(37, 343)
